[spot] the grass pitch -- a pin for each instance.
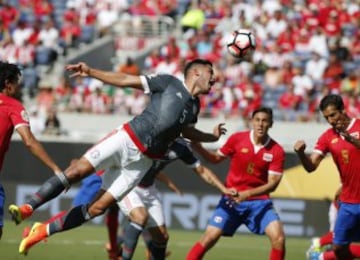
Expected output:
(87, 242)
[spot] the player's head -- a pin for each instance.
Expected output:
(9, 79)
(261, 120)
(200, 73)
(333, 110)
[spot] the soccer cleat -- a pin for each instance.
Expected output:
(113, 254)
(37, 233)
(18, 214)
(315, 247)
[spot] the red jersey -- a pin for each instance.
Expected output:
(346, 157)
(250, 165)
(12, 115)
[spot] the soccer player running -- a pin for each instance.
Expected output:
(342, 142)
(14, 116)
(143, 206)
(256, 168)
(126, 154)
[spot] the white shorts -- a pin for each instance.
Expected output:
(147, 198)
(122, 161)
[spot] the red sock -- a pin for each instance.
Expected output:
(112, 226)
(355, 250)
(326, 239)
(277, 254)
(329, 255)
(196, 252)
(53, 218)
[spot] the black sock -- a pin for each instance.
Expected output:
(73, 218)
(158, 250)
(49, 190)
(131, 236)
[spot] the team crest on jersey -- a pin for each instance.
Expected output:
(335, 140)
(244, 150)
(24, 115)
(218, 219)
(95, 154)
(267, 157)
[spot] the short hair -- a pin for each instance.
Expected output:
(192, 63)
(8, 72)
(332, 99)
(263, 109)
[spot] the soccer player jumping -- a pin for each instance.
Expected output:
(127, 153)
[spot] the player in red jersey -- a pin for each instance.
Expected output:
(13, 116)
(342, 141)
(256, 168)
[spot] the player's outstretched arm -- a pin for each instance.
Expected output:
(209, 177)
(197, 135)
(209, 156)
(36, 148)
(117, 79)
(172, 186)
(309, 162)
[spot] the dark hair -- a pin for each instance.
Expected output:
(192, 63)
(8, 72)
(266, 110)
(332, 99)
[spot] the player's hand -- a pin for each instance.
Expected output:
(79, 69)
(242, 196)
(231, 192)
(219, 130)
(299, 146)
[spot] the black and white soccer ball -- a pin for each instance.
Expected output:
(241, 43)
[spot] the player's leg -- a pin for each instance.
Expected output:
(156, 224)
(51, 189)
(112, 224)
(276, 235)
(133, 207)
(2, 203)
(224, 221)
(346, 222)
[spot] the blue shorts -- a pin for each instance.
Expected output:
(347, 225)
(255, 214)
(88, 190)
(2, 203)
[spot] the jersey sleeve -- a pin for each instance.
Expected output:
(19, 116)
(321, 145)
(277, 165)
(185, 154)
(228, 148)
(155, 83)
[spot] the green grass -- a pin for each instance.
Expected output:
(87, 242)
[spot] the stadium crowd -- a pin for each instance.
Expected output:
(305, 50)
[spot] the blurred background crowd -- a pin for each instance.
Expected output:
(305, 49)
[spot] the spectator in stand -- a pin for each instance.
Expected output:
(333, 74)
(52, 123)
(289, 104)
(45, 100)
(21, 33)
(9, 15)
(351, 83)
(97, 102)
(43, 10)
(193, 19)
(106, 18)
(129, 67)
(48, 43)
(315, 68)
(276, 25)
(4, 34)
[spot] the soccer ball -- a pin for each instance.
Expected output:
(241, 44)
